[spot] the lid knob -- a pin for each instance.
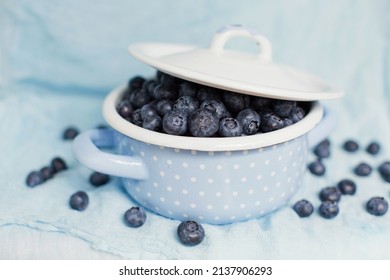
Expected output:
(229, 31)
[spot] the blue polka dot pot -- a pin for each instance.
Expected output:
(210, 180)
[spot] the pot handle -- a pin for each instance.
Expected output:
(86, 150)
(322, 130)
(236, 30)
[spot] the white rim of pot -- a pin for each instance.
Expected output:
(212, 144)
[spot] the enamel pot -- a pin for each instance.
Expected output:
(212, 180)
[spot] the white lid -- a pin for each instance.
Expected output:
(253, 74)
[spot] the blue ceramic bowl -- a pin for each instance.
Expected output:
(210, 180)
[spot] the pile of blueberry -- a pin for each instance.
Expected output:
(174, 106)
(330, 196)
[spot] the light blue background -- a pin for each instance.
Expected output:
(59, 59)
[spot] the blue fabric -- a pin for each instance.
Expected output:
(59, 60)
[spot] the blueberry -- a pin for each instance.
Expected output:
(58, 164)
(260, 103)
(134, 217)
(47, 172)
(373, 148)
(229, 127)
(283, 108)
(377, 206)
(362, 169)
(287, 122)
(149, 86)
(347, 186)
(70, 133)
(330, 194)
(188, 89)
(148, 110)
(98, 179)
(136, 117)
(136, 82)
(164, 106)
(208, 93)
(297, 114)
(249, 120)
(322, 150)
(175, 123)
(203, 123)
(270, 122)
(384, 171)
(329, 209)
(303, 208)
(152, 122)
(317, 168)
(125, 109)
(351, 146)
(168, 80)
(190, 233)
(187, 104)
(216, 106)
(139, 98)
(162, 91)
(34, 178)
(79, 201)
(235, 102)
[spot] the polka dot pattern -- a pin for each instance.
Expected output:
(216, 187)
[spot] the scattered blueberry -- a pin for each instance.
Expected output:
(98, 179)
(34, 178)
(47, 172)
(384, 171)
(134, 217)
(373, 148)
(329, 209)
(168, 80)
(362, 169)
(351, 146)
(303, 208)
(58, 164)
(79, 201)
(347, 186)
(203, 123)
(148, 86)
(70, 133)
(317, 168)
(190, 233)
(283, 108)
(249, 120)
(377, 206)
(287, 122)
(330, 194)
(229, 127)
(175, 123)
(322, 150)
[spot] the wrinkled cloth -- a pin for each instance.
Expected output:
(59, 60)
